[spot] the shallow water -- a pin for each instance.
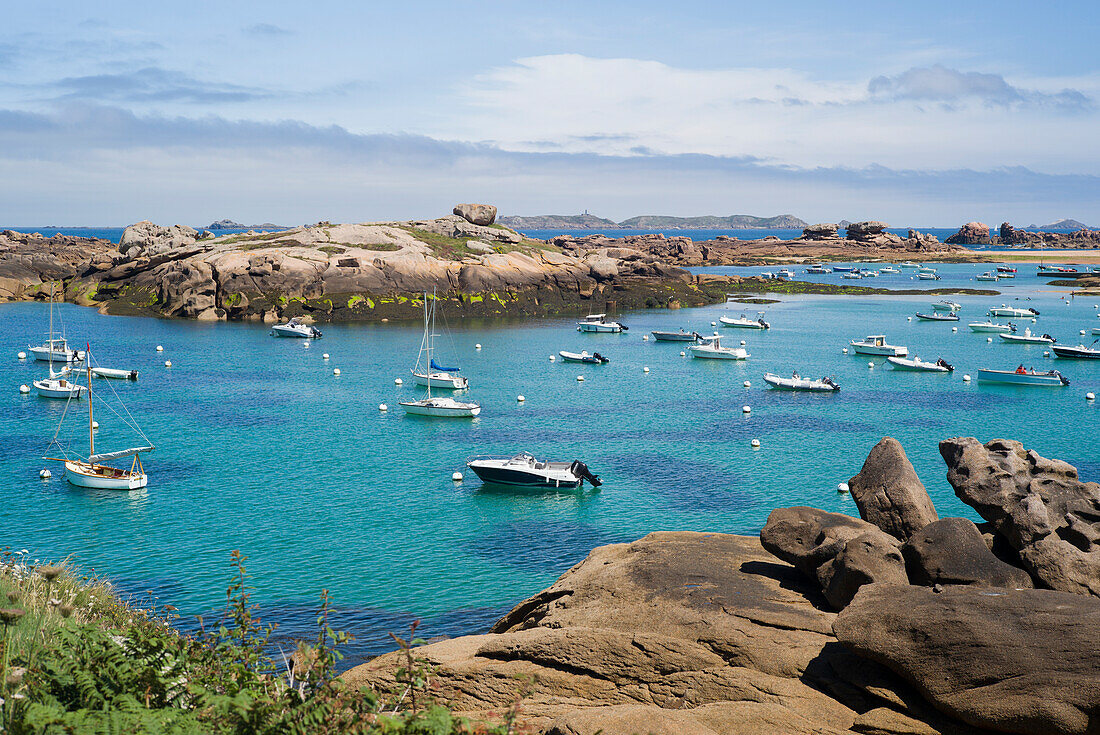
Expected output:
(261, 448)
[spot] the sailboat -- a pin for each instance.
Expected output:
(54, 350)
(92, 472)
(57, 385)
(434, 375)
(436, 406)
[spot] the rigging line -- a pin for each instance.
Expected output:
(131, 422)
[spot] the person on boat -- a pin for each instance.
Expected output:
(1020, 370)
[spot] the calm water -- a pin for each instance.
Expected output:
(261, 448)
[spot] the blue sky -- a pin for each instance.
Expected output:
(925, 114)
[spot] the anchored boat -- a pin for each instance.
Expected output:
(711, 348)
(744, 322)
(934, 317)
(818, 269)
(991, 326)
(296, 328)
(1022, 377)
(946, 305)
(524, 470)
(919, 365)
(928, 274)
(987, 276)
(1011, 311)
(594, 359)
(1080, 351)
(797, 382)
(439, 406)
(599, 323)
(57, 385)
(1028, 338)
(102, 372)
(875, 344)
(680, 336)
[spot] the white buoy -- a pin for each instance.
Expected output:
(755, 443)
(748, 384)
(457, 477)
(1081, 332)
(552, 358)
(167, 363)
(1096, 306)
(24, 388)
(645, 337)
(336, 371)
(683, 354)
(22, 355)
(1090, 396)
(742, 343)
(954, 329)
(645, 369)
(324, 356)
(966, 378)
(1046, 353)
(842, 487)
(580, 378)
(383, 407)
(908, 318)
(870, 364)
(988, 339)
(305, 343)
(714, 324)
(95, 424)
(45, 474)
(477, 346)
(521, 398)
(160, 349)
(845, 350)
(746, 409)
(397, 381)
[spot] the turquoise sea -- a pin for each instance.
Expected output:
(261, 448)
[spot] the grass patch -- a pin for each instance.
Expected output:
(449, 248)
(332, 249)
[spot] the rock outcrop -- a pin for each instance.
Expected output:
(865, 231)
(1038, 505)
(1082, 238)
(972, 233)
(477, 214)
(1019, 661)
(146, 238)
(889, 494)
(824, 231)
(952, 551)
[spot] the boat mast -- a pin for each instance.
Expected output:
(50, 342)
(91, 424)
(428, 342)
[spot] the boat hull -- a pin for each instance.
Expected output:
(458, 410)
(1026, 340)
(610, 328)
(82, 475)
(46, 355)
(877, 351)
(741, 323)
(799, 384)
(100, 372)
(673, 336)
(522, 478)
(1004, 328)
(1009, 377)
(281, 331)
(46, 390)
(916, 366)
(1013, 313)
(937, 318)
(441, 380)
(726, 353)
(1079, 353)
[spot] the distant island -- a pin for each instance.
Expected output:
(228, 224)
(1062, 224)
(651, 221)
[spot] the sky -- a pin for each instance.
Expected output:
(923, 114)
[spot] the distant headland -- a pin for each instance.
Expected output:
(228, 224)
(588, 221)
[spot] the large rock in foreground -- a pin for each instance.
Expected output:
(889, 494)
(952, 551)
(1038, 505)
(1020, 661)
(146, 238)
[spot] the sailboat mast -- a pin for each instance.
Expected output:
(91, 423)
(50, 343)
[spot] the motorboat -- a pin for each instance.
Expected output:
(990, 326)
(769, 276)
(818, 269)
(711, 348)
(102, 372)
(888, 269)
(869, 274)
(946, 305)
(435, 406)
(1005, 269)
(524, 470)
(797, 382)
(1058, 271)
(928, 275)
(853, 276)
(786, 273)
(296, 328)
(910, 264)
(844, 268)
(1013, 312)
(744, 322)
(934, 317)
(59, 386)
(680, 336)
(599, 323)
(1080, 351)
(918, 365)
(1028, 338)
(987, 276)
(1022, 377)
(875, 344)
(594, 359)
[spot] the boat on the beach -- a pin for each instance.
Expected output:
(102, 372)
(599, 323)
(918, 365)
(594, 359)
(711, 348)
(1022, 377)
(876, 344)
(818, 268)
(1028, 338)
(1012, 312)
(946, 305)
(435, 406)
(524, 470)
(991, 326)
(1080, 352)
(934, 317)
(797, 382)
(680, 336)
(744, 322)
(987, 276)
(296, 328)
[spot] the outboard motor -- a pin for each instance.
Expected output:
(1013, 326)
(315, 332)
(944, 364)
(625, 328)
(580, 469)
(1034, 312)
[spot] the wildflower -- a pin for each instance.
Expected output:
(50, 573)
(54, 602)
(11, 615)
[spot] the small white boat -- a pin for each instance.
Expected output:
(853, 276)
(928, 275)
(987, 276)
(59, 386)
(744, 322)
(711, 348)
(680, 336)
(296, 328)
(599, 323)
(786, 273)
(910, 264)
(797, 382)
(1021, 377)
(1096, 330)
(888, 269)
(869, 274)
(935, 317)
(441, 379)
(524, 470)
(1013, 312)
(102, 372)
(918, 365)
(946, 305)
(875, 344)
(768, 276)
(991, 326)
(1028, 338)
(818, 269)
(54, 350)
(594, 359)
(446, 407)
(1080, 351)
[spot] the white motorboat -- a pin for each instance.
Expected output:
(92, 472)
(1019, 376)
(928, 275)
(599, 323)
(711, 348)
(438, 406)
(937, 317)
(875, 344)
(910, 264)
(296, 328)
(991, 326)
(594, 359)
(524, 470)
(853, 276)
(1013, 312)
(1028, 338)
(918, 365)
(680, 336)
(817, 268)
(888, 269)
(1080, 351)
(946, 305)
(744, 322)
(786, 273)
(797, 382)
(102, 372)
(987, 276)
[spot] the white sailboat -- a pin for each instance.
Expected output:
(92, 472)
(439, 406)
(432, 374)
(58, 384)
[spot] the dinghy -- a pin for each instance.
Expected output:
(1021, 377)
(797, 382)
(680, 336)
(1028, 338)
(594, 359)
(934, 317)
(1010, 311)
(296, 328)
(919, 365)
(1080, 351)
(875, 344)
(441, 407)
(928, 275)
(102, 372)
(524, 470)
(711, 348)
(991, 326)
(946, 305)
(744, 322)
(599, 323)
